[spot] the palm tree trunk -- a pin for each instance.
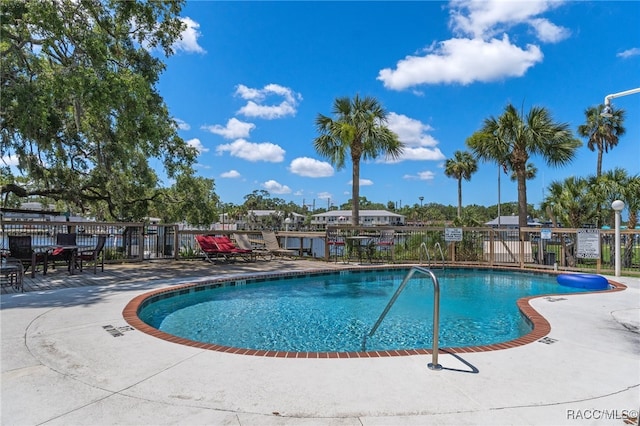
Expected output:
(355, 192)
(599, 165)
(522, 198)
(459, 197)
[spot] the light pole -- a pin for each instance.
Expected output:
(607, 111)
(617, 205)
(287, 221)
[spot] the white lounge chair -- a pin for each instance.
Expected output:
(273, 246)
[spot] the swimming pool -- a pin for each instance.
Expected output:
(332, 312)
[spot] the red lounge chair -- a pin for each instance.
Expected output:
(220, 247)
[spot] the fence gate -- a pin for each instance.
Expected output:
(160, 240)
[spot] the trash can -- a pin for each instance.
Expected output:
(549, 258)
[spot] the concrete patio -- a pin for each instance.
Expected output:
(68, 357)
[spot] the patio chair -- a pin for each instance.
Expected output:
(273, 246)
(243, 242)
(12, 272)
(96, 255)
(336, 244)
(386, 242)
(61, 254)
(20, 249)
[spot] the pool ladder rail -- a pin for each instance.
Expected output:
(433, 365)
(426, 251)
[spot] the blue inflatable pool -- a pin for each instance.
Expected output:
(589, 281)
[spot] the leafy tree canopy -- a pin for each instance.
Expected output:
(81, 118)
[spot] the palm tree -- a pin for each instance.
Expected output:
(511, 139)
(603, 133)
(359, 129)
(606, 188)
(631, 195)
(461, 166)
(613, 185)
(570, 202)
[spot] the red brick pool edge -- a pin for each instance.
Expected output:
(541, 327)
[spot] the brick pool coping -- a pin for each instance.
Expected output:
(541, 326)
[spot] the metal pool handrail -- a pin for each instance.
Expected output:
(426, 250)
(433, 365)
(439, 247)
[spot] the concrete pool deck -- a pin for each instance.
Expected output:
(68, 357)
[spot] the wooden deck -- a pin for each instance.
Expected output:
(134, 272)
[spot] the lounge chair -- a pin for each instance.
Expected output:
(215, 248)
(273, 246)
(243, 242)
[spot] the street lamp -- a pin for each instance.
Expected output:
(287, 221)
(607, 112)
(617, 205)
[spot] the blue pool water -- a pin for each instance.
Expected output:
(333, 312)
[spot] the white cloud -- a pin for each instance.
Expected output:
(462, 61)
(233, 130)
(195, 143)
(363, 182)
(413, 133)
(250, 151)
(255, 98)
(188, 41)
(324, 195)
(309, 167)
(231, 174)
(276, 188)
(425, 175)
(182, 125)
(419, 154)
(490, 17)
(548, 32)
(629, 53)
(481, 50)
(410, 131)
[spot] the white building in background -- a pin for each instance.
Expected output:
(267, 219)
(510, 222)
(367, 218)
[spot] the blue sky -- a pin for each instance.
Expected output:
(249, 78)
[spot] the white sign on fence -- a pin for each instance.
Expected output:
(452, 234)
(545, 233)
(588, 244)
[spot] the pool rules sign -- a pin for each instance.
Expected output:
(452, 235)
(588, 244)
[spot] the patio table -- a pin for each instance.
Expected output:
(361, 242)
(73, 248)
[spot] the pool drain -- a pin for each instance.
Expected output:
(116, 331)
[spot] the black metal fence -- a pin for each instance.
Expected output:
(552, 248)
